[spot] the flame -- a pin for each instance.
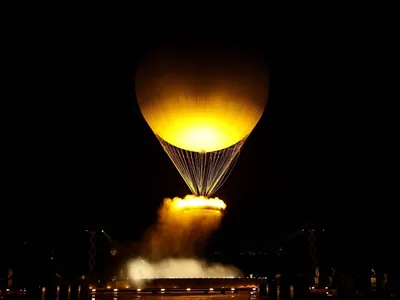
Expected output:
(198, 203)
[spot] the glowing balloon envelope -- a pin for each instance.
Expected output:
(202, 105)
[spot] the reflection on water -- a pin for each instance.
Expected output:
(110, 296)
(278, 292)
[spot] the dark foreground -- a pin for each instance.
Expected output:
(273, 295)
(240, 296)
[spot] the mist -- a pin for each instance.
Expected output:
(173, 247)
(140, 269)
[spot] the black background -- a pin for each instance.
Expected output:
(80, 155)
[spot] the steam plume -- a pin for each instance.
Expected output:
(140, 269)
(171, 247)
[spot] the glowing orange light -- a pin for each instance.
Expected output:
(201, 103)
(191, 202)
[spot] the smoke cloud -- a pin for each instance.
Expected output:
(140, 269)
(172, 247)
(179, 233)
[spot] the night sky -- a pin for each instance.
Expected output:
(82, 156)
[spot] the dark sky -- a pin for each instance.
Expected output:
(81, 153)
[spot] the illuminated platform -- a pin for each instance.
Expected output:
(177, 285)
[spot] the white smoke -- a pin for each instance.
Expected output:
(170, 248)
(139, 269)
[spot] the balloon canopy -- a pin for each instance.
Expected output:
(201, 100)
(202, 103)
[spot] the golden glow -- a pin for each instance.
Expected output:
(191, 202)
(172, 246)
(209, 125)
(183, 227)
(201, 105)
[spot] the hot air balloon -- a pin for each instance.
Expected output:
(202, 104)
